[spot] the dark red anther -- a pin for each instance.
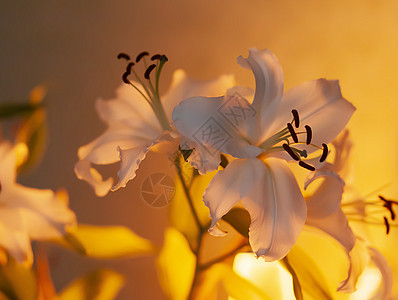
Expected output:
(296, 118)
(290, 151)
(388, 205)
(387, 225)
(156, 56)
(124, 56)
(309, 134)
(292, 132)
(129, 66)
(306, 166)
(141, 55)
(124, 77)
(324, 153)
(149, 70)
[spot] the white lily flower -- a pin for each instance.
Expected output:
(326, 212)
(254, 133)
(137, 121)
(26, 213)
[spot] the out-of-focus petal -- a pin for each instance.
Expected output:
(14, 237)
(45, 215)
(272, 197)
(8, 164)
(269, 84)
(386, 273)
(182, 87)
(342, 145)
(84, 171)
(130, 160)
(320, 105)
(359, 258)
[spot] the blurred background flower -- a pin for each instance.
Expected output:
(72, 47)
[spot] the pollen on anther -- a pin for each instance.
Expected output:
(156, 56)
(309, 134)
(306, 166)
(124, 77)
(388, 205)
(324, 153)
(292, 132)
(129, 66)
(387, 225)
(296, 118)
(149, 70)
(141, 55)
(123, 55)
(290, 151)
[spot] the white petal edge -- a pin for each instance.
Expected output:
(84, 171)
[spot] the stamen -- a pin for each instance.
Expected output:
(387, 225)
(309, 134)
(224, 161)
(124, 77)
(164, 58)
(296, 118)
(124, 56)
(292, 132)
(156, 56)
(129, 66)
(141, 55)
(388, 205)
(306, 166)
(290, 151)
(149, 70)
(324, 153)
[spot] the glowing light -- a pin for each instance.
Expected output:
(367, 285)
(268, 276)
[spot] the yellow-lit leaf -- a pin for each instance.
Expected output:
(238, 287)
(98, 285)
(17, 281)
(309, 276)
(106, 242)
(176, 265)
(180, 213)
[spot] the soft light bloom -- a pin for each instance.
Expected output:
(325, 212)
(25, 213)
(135, 126)
(254, 133)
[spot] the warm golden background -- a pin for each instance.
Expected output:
(72, 45)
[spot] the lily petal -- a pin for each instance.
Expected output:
(130, 160)
(272, 197)
(269, 84)
(324, 208)
(84, 171)
(45, 215)
(182, 87)
(320, 105)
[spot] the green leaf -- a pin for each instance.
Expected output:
(176, 265)
(306, 272)
(106, 242)
(239, 219)
(98, 285)
(18, 281)
(10, 110)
